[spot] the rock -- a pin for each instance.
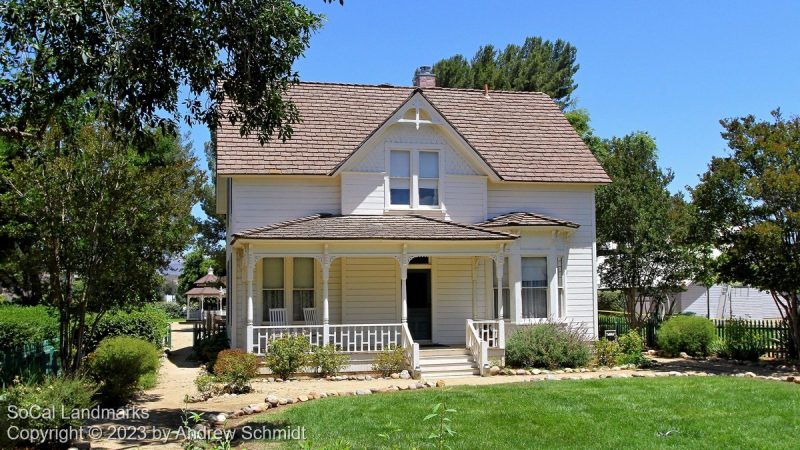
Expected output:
(403, 388)
(536, 371)
(412, 386)
(220, 419)
(797, 381)
(392, 388)
(583, 370)
(360, 378)
(257, 408)
(375, 390)
(323, 395)
(362, 392)
(395, 376)
(430, 384)
(405, 375)
(271, 380)
(272, 400)
(521, 372)
(674, 373)
(551, 377)
(559, 371)
(278, 380)
(283, 401)
(568, 370)
(683, 355)
(303, 398)
(313, 395)
(749, 375)
(247, 410)
(421, 386)
(494, 370)
(790, 379)
(637, 375)
(291, 401)
(368, 378)
(439, 383)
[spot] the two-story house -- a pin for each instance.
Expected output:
(417, 216)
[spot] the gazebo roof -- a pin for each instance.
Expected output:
(198, 291)
(208, 279)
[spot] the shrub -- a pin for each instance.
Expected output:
(389, 360)
(172, 309)
(287, 355)
(717, 347)
(631, 346)
(236, 368)
(741, 342)
(606, 352)
(327, 360)
(119, 363)
(52, 394)
(548, 345)
(26, 325)
(206, 350)
(149, 323)
(207, 384)
(690, 334)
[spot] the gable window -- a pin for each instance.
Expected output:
(534, 288)
(414, 179)
(273, 285)
(400, 177)
(428, 178)
(302, 287)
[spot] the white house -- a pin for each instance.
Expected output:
(392, 215)
(724, 301)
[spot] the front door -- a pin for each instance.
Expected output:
(418, 288)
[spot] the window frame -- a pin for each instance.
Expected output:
(288, 288)
(312, 289)
(545, 288)
(264, 289)
(414, 151)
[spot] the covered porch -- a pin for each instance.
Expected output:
(417, 282)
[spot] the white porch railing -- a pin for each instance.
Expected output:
(355, 338)
(478, 347)
(491, 331)
(411, 348)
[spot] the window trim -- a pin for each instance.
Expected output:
(288, 288)
(546, 287)
(414, 150)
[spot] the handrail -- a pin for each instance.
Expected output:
(478, 347)
(410, 348)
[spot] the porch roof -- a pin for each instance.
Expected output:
(527, 219)
(363, 227)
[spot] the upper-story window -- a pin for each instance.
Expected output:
(414, 178)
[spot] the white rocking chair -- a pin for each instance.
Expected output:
(278, 317)
(310, 316)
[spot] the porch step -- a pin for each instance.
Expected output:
(447, 363)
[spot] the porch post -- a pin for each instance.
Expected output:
(515, 284)
(552, 280)
(326, 270)
(403, 292)
(499, 261)
(249, 280)
(188, 304)
(202, 299)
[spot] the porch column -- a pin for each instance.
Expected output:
(499, 262)
(251, 263)
(515, 284)
(552, 279)
(326, 271)
(404, 260)
(202, 299)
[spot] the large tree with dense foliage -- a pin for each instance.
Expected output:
(151, 62)
(640, 227)
(748, 207)
(104, 218)
(536, 65)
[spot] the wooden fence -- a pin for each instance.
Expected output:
(207, 327)
(772, 335)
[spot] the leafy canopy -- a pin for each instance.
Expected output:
(152, 62)
(748, 207)
(536, 65)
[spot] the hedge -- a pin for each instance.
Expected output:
(26, 325)
(149, 323)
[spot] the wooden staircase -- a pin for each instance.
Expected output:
(446, 363)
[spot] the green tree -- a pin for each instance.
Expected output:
(640, 227)
(195, 265)
(537, 65)
(748, 207)
(104, 216)
(580, 120)
(135, 57)
(211, 227)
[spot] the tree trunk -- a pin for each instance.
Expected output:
(789, 306)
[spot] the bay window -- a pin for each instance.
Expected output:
(534, 288)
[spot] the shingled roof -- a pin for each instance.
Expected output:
(526, 219)
(358, 227)
(523, 136)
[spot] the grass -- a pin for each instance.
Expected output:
(690, 412)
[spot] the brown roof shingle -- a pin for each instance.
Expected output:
(358, 227)
(523, 136)
(527, 219)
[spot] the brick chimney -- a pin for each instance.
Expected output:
(424, 78)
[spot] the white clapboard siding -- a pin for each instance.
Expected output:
(570, 202)
(452, 298)
(370, 290)
(693, 300)
(362, 193)
(465, 198)
(262, 201)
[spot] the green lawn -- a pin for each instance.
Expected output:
(718, 412)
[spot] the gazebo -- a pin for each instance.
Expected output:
(207, 286)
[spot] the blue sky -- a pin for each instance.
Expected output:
(673, 69)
